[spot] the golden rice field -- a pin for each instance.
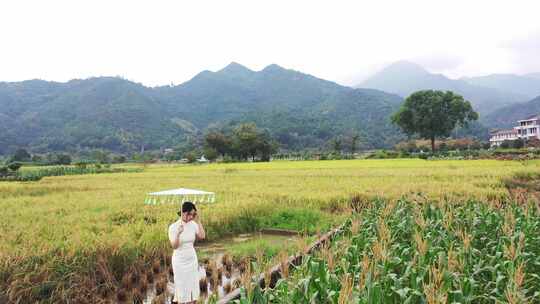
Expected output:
(55, 230)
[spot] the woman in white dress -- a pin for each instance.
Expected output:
(182, 235)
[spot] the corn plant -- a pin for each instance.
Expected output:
(424, 253)
(38, 174)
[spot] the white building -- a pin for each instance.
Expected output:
(527, 129)
(202, 159)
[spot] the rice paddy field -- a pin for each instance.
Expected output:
(72, 238)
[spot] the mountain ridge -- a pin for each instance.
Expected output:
(508, 116)
(527, 85)
(123, 116)
(404, 78)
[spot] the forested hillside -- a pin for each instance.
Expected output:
(110, 113)
(507, 117)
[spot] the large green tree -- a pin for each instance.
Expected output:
(21, 155)
(218, 141)
(243, 141)
(431, 114)
(246, 140)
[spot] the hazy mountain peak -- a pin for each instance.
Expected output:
(404, 78)
(235, 68)
(273, 67)
(405, 67)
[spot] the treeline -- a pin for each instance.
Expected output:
(416, 145)
(12, 172)
(520, 143)
(57, 165)
(241, 142)
(249, 142)
(50, 159)
(462, 144)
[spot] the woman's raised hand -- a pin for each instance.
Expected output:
(181, 228)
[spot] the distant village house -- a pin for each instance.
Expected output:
(527, 129)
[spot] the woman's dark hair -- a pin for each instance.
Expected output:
(188, 206)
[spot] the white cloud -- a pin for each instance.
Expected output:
(524, 52)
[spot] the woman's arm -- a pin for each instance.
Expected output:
(201, 234)
(175, 237)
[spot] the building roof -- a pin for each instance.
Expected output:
(511, 131)
(532, 117)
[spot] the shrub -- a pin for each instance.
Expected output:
(37, 158)
(533, 143)
(210, 154)
(518, 143)
(423, 155)
(336, 156)
(81, 164)
(228, 159)
(4, 170)
(14, 166)
(443, 147)
(505, 144)
(191, 157)
(404, 154)
(21, 155)
(118, 159)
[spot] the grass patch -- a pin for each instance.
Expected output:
(305, 221)
(268, 247)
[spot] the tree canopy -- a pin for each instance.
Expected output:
(21, 155)
(431, 114)
(243, 142)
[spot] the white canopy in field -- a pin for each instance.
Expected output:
(179, 196)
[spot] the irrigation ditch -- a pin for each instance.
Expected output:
(294, 260)
(210, 281)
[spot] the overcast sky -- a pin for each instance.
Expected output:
(163, 42)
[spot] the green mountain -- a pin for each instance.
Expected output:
(508, 116)
(105, 112)
(118, 115)
(527, 85)
(404, 78)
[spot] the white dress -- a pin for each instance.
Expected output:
(184, 262)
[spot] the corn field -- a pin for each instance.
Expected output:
(421, 252)
(38, 174)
